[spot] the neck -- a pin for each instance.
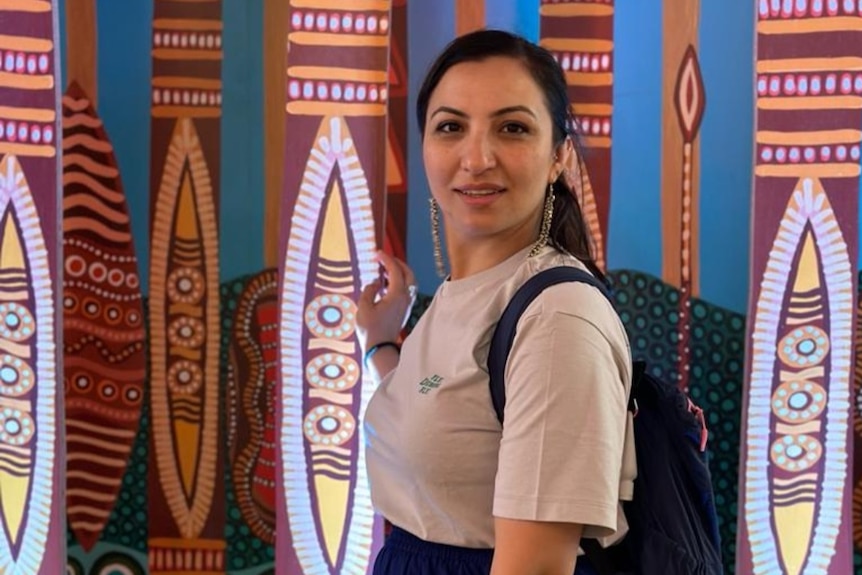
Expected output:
(470, 256)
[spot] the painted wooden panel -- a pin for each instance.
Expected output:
(794, 473)
(186, 490)
(32, 538)
(334, 190)
(580, 34)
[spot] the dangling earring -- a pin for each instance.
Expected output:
(547, 216)
(435, 237)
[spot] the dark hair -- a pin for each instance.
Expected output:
(569, 232)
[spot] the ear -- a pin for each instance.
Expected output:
(565, 159)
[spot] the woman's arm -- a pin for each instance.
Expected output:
(535, 547)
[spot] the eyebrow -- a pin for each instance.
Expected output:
(500, 112)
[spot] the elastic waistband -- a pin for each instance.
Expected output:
(409, 543)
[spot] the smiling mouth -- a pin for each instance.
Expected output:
(479, 193)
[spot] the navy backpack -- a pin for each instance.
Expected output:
(673, 524)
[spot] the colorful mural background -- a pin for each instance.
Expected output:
(221, 198)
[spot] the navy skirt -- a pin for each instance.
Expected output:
(406, 554)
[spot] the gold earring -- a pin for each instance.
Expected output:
(547, 217)
(435, 237)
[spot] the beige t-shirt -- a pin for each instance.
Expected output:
(439, 463)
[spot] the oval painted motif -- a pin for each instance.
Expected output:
(799, 413)
(28, 399)
(316, 320)
(184, 304)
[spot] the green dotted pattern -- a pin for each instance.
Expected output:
(650, 309)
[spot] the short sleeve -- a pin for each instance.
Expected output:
(566, 398)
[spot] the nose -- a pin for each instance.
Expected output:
(477, 154)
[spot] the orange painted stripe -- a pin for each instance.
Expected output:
(25, 43)
(333, 73)
(591, 45)
(351, 6)
(180, 54)
(335, 109)
(469, 16)
(180, 24)
(569, 10)
(27, 114)
(28, 150)
(596, 141)
(809, 25)
(810, 103)
(809, 138)
(835, 170)
(186, 112)
(186, 82)
(188, 544)
(25, 5)
(22, 82)
(592, 109)
(589, 79)
(338, 40)
(809, 64)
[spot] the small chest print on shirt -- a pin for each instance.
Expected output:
(430, 383)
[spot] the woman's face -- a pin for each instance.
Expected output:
(488, 151)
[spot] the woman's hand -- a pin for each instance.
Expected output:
(383, 310)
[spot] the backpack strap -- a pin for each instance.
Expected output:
(501, 345)
(504, 334)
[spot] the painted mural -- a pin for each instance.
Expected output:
(31, 400)
(227, 171)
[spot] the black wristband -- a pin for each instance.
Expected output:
(377, 347)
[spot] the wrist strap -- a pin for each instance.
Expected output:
(377, 347)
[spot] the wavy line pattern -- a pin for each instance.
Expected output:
(103, 329)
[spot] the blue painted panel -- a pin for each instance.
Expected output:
(634, 234)
(726, 152)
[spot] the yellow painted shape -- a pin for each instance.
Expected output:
(333, 239)
(11, 253)
(793, 526)
(807, 277)
(188, 440)
(332, 508)
(13, 501)
(186, 225)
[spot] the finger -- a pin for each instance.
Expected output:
(406, 273)
(369, 292)
(396, 277)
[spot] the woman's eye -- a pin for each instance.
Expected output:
(448, 127)
(513, 128)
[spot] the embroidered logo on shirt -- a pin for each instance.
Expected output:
(429, 383)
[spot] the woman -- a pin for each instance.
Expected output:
(464, 494)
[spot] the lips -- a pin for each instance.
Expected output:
(479, 191)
